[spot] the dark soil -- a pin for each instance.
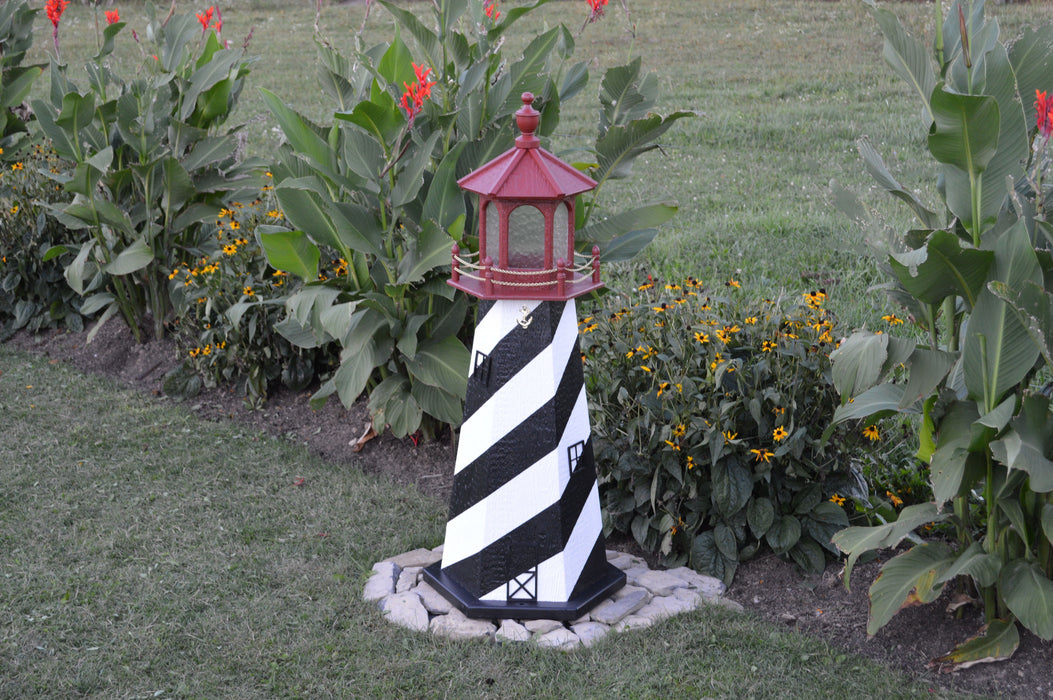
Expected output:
(767, 586)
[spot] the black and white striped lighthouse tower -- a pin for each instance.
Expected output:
(524, 537)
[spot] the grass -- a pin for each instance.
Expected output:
(149, 554)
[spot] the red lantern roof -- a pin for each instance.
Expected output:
(527, 171)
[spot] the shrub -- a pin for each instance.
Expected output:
(708, 414)
(152, 160)
(33, 294)
(228, 304)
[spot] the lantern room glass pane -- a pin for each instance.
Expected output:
(493, 231)
(526, 238)
(561, 236)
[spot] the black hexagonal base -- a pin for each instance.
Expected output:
(611, 580)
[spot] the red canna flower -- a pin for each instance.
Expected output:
(205, 18)
(596, 9)
(491, 11)
(415, 94)
(112, 16)
(1044, 114)
(54, 10)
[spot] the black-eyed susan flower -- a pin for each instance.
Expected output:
(733, 283)
(894, 499)
(768, 346)
(762, 455)
(779, 434)
(872, 433)
(729, 436)
(837, 500)
(892, 319)
(230, 249)
(247, 291)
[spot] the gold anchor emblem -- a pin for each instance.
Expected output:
(525, 319)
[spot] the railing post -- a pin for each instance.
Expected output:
(596, 264)
(488, 274)
(561, 277)
(455, 272)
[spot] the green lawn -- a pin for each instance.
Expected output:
(149, 554)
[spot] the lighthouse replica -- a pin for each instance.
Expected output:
(524, 537)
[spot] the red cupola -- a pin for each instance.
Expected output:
(526, 224)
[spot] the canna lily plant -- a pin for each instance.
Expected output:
(378, 190)
(975, 280)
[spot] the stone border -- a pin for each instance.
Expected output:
(398, 588)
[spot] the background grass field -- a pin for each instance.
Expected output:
(144, 552)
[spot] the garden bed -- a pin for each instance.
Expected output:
(766, 585)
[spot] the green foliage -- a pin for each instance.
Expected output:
(33, 294)
(152, 159)
(708, 412)
(378, 188)
(16, 80)
(228, 304)
(973, 280)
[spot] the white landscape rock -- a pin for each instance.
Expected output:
(590, 632)
(611, 611)
(382, 582)
(512, 631)
(456, 626)
(632, 622)
(408, 578)
(433, 601)
(406, 610)
(418, 557)
(660, 583)
(559, 638)
(710, 587)
(541, 626)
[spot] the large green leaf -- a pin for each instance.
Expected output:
(205, 77)
(430, 250)
(627, 246)
(784, 534)
(178, 188)
(998, 350)
(291, 251)
(623, 96)
(438, 403)
(855, 541)
(951, 461)
(996, 641)
(883, 176)
(411, 174)
(1032, 63)
(443, 364)
(1013, 143)
(133, 258)
(905, 579)
(1029, 595)
(1034, 307)
(426, 38)
(732, 486)
(1028, 441)
(942, 268)
(392, 404)
(647, 216)
(620, 145)
(927, 369)
(304, 209)
(908, 58)
(975, 562)
(303, 136)
(444, 202)
(875, 402)
(858, 361)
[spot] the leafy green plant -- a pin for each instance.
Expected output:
(973, 281)
(708, 412)
(152, 159)
(378, 189)
(228, 305)
(16, 80)
(33, 294)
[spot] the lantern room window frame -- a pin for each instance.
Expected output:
(526, 176)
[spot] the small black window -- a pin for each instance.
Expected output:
(481, 367)
(574, 453)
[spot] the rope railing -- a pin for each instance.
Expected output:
(558, 277)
